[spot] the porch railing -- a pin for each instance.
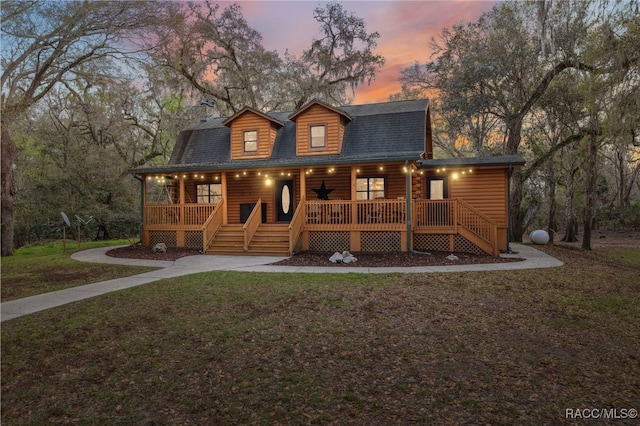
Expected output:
(450, 216)
(172, 216)
(356, 214)
(295, 226)
(212, 225)
(252, 224)
(478, 224)
(455, 216)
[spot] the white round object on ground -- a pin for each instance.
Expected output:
(539, 237)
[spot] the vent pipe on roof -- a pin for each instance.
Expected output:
(202, 108)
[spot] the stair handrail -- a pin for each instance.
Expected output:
(478, 223)
(252, 224)
(296, 224)
(212, 225)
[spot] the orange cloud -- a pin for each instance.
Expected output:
(406, 29)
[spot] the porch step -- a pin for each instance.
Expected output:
(228, 240)
(269, 240)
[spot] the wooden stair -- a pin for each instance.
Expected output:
(474, 239)
(269, 240)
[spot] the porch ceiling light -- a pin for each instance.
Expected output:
(268, 182)
(454, 176)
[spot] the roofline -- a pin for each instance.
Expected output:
(314, 101)
(493, 161)
(272, 164)
(253, 110)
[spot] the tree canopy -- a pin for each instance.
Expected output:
(92, 89)
(503, 84)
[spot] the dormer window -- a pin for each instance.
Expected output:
(250, 139)
(318, 136)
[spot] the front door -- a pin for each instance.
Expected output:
(285, 200)
(438, 211)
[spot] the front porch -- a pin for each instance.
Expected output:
(331, 225)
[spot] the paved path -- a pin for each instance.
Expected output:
(193, 264)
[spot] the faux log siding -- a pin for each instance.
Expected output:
(339, 181)
(249, 188)
(319, 115)
(396, 184)
(485, 190)
(266, 136)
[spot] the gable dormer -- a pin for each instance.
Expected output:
(253, 134)
(319, 129)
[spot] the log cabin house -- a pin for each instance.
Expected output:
(323, 178)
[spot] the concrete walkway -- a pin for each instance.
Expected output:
(534, 259)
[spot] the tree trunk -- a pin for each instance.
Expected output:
(590, 191)
(551, 219)
(515, 209)
(9, 152)
(569, 215)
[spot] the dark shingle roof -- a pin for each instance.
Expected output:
(386, 131)
(501, 160)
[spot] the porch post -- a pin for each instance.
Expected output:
(355, 237)
(180, 232)
(144, 234)
(182, 191)
(407, 246)
(354, 194)
(225, 206)
(303, 183)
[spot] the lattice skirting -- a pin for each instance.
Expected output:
(193, 239)
(429, 242)
(167, 237)
(380, 241)
(465, 246)
(329, 241)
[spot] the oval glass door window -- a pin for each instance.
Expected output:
(286, 199)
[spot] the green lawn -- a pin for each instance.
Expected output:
(45, 268)
(247, 348)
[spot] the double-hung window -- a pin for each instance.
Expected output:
(370, 188)
(250, 139)
(318, 136)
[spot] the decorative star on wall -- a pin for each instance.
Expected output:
(323, 192)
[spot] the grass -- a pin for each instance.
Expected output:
(44, 268)
(248, 348)
(624, 256)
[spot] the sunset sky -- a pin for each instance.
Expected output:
(405, 27)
